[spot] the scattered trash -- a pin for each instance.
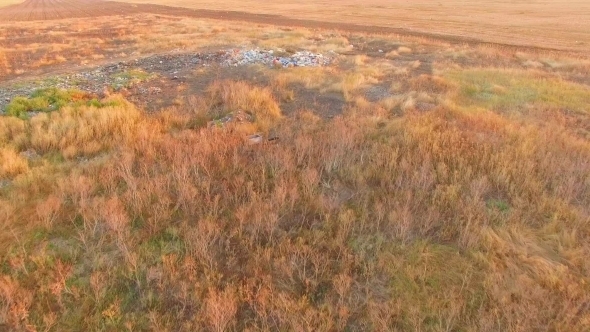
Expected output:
(238, 57)
(153, 90)
(258, 138)
(32, 114)
(238, 117)
(175, 66)
(30, 154)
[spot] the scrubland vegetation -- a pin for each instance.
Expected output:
(439, 187)
(454, 219)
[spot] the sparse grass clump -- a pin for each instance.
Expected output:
(12, 163)
(229, 96)
(310, 78)
(78, 127)
(84, 130)
(129, 78)
(515, 90)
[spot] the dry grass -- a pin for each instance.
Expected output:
(438, 221)
(228, 97)
(12, 163)
(514, 90)
(73, 131)
(451, 200)
(310, 78)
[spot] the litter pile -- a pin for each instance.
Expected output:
(280, 58)
(173, 66)
(233, 117)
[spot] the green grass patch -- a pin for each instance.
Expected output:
(503, 90)
(433, 280)
(51, 99)
(129, 78)
(498, 205)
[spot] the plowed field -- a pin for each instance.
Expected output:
(561, 24)
(557, 25)
(61, 9)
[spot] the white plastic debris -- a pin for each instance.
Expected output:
(238, 57)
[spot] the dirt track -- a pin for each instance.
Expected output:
(31, 10)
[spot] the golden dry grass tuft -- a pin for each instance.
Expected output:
(229, 96)
(74, 130)
(12, 163)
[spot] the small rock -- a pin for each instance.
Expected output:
(254, 139)
(30, 154)
(154, 90)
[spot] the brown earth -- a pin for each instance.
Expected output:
(559, 24)
(31, 10)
